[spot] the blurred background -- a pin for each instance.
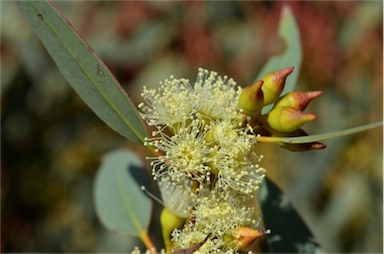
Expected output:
(52, 143)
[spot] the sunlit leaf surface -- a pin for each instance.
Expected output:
(292, 55)
(85, 72)
(120, 203)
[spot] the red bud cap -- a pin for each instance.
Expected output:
(317, 146)
(274, 83)
(286, 119)
(251, 99)
(243, 236)
(297, 100)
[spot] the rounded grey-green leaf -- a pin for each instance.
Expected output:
(120, 203)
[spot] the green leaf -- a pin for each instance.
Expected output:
(120, 203)
(84, 71)
(289, 233)
(292, 56)
(320, 137)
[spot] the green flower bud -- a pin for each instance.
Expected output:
(274, 83)
(251, 99)
(211, 164)
(286, 119)
(210, 138)
(169, 222)
(297, 100)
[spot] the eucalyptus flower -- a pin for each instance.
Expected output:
(205, 163)
(217, 97)
(173, 102)
(234, 158)
(184, 153)
(216, 215)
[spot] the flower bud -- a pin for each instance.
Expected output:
(274, 83)
(169, 222)
(303, 147)
(251, 99)
(286, 119)
(297, 100)
(242, 237)
(210, 138)
(298, 147)
(211, 164)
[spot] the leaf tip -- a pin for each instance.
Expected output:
(286, 11)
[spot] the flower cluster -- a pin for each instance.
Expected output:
(205, 161)
(201, 134)
(217, 215)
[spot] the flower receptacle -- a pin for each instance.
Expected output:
(251, 99)
(169, 222)
(287, 119)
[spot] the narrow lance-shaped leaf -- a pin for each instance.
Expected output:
(292, 55)
(320, 137)
(120, 203)
(84, 71)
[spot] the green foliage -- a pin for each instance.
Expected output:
(292, 55)
(120, 203)
(288, 228)
(84, 71)
(320, 137)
